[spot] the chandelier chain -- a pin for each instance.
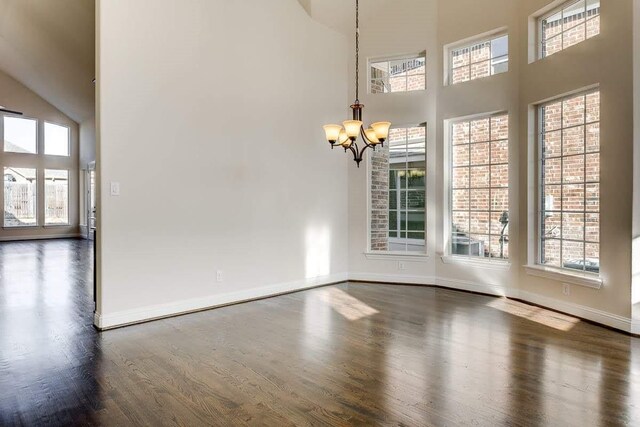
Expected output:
(357, 51)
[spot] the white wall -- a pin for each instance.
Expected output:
(391, 28)
(209, 115)
(635, 296)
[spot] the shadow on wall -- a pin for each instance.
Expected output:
(318, 252)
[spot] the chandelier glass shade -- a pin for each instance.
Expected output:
(347, 134)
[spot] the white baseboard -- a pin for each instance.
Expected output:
(582, 311)
(430, 281)
(608, 319)
(39, 237)
(144, 314)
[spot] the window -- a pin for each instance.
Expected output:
(20, 135)
(570, 183)
(480, 59)
(56, 140)
(56, 197)
(570, 24)
(20, 185)
(398, 192)
(480, 187)
(401, 75)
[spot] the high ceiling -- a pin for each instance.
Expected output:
(49, 46)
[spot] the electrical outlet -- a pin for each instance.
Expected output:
(219, 276)
(566, 289)
(401, 265)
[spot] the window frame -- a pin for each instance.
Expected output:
(559, 8)
(469, 43)
(581, 277)
(44, 139)
(407, 57)
(400, 255)
(44, 180)
(449, 257)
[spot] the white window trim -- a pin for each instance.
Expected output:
(590, 280)
(585, 278)
(469, 41)
(448, 257)
(400, 256)
(44, 140)
(409, 56)
(547, 12)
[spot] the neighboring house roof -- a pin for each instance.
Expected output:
(13, 148)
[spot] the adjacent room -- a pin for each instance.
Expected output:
(320, 212)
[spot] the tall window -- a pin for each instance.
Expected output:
(479, 59)
(56, 197)
(20, 135)
(398, 192)
(569, 24)
(570, 182)
(480, 187)
(400, 75)
(56, 140)
(20, 186)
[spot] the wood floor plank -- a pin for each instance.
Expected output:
(349, 354)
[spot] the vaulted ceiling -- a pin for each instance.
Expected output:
(49, 46)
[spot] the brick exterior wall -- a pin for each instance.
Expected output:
(570, 180)
(379, 193)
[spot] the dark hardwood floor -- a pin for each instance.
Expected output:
(351, 354)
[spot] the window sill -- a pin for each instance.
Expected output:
(589, 280)
(397, 256)
(476, 262)
(57, 225)
(19, 227)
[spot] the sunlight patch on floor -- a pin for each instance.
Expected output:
(346, 305)
(539, 315)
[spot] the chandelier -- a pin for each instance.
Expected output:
(347, 134)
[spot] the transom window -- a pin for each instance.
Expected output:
(568, 25)
(20, 135)
(570, 182)
(479, 59)
(480, 187)
(398, 75)
(56, 140)
(398, 192)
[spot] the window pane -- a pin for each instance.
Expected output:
(479, 59)
(56, 202)
(573, 15)
(480, 193)
(56, 140)
(398, 191)
(20, 186)
(570, 211)
(20, 135)
(570, 25)
(400, 75)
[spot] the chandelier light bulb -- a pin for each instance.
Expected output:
(382, 130)
(332, 132)
(353, 128)
(372, 138)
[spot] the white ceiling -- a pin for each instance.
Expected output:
(49, 46)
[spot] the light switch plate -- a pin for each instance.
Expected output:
(115, 188)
